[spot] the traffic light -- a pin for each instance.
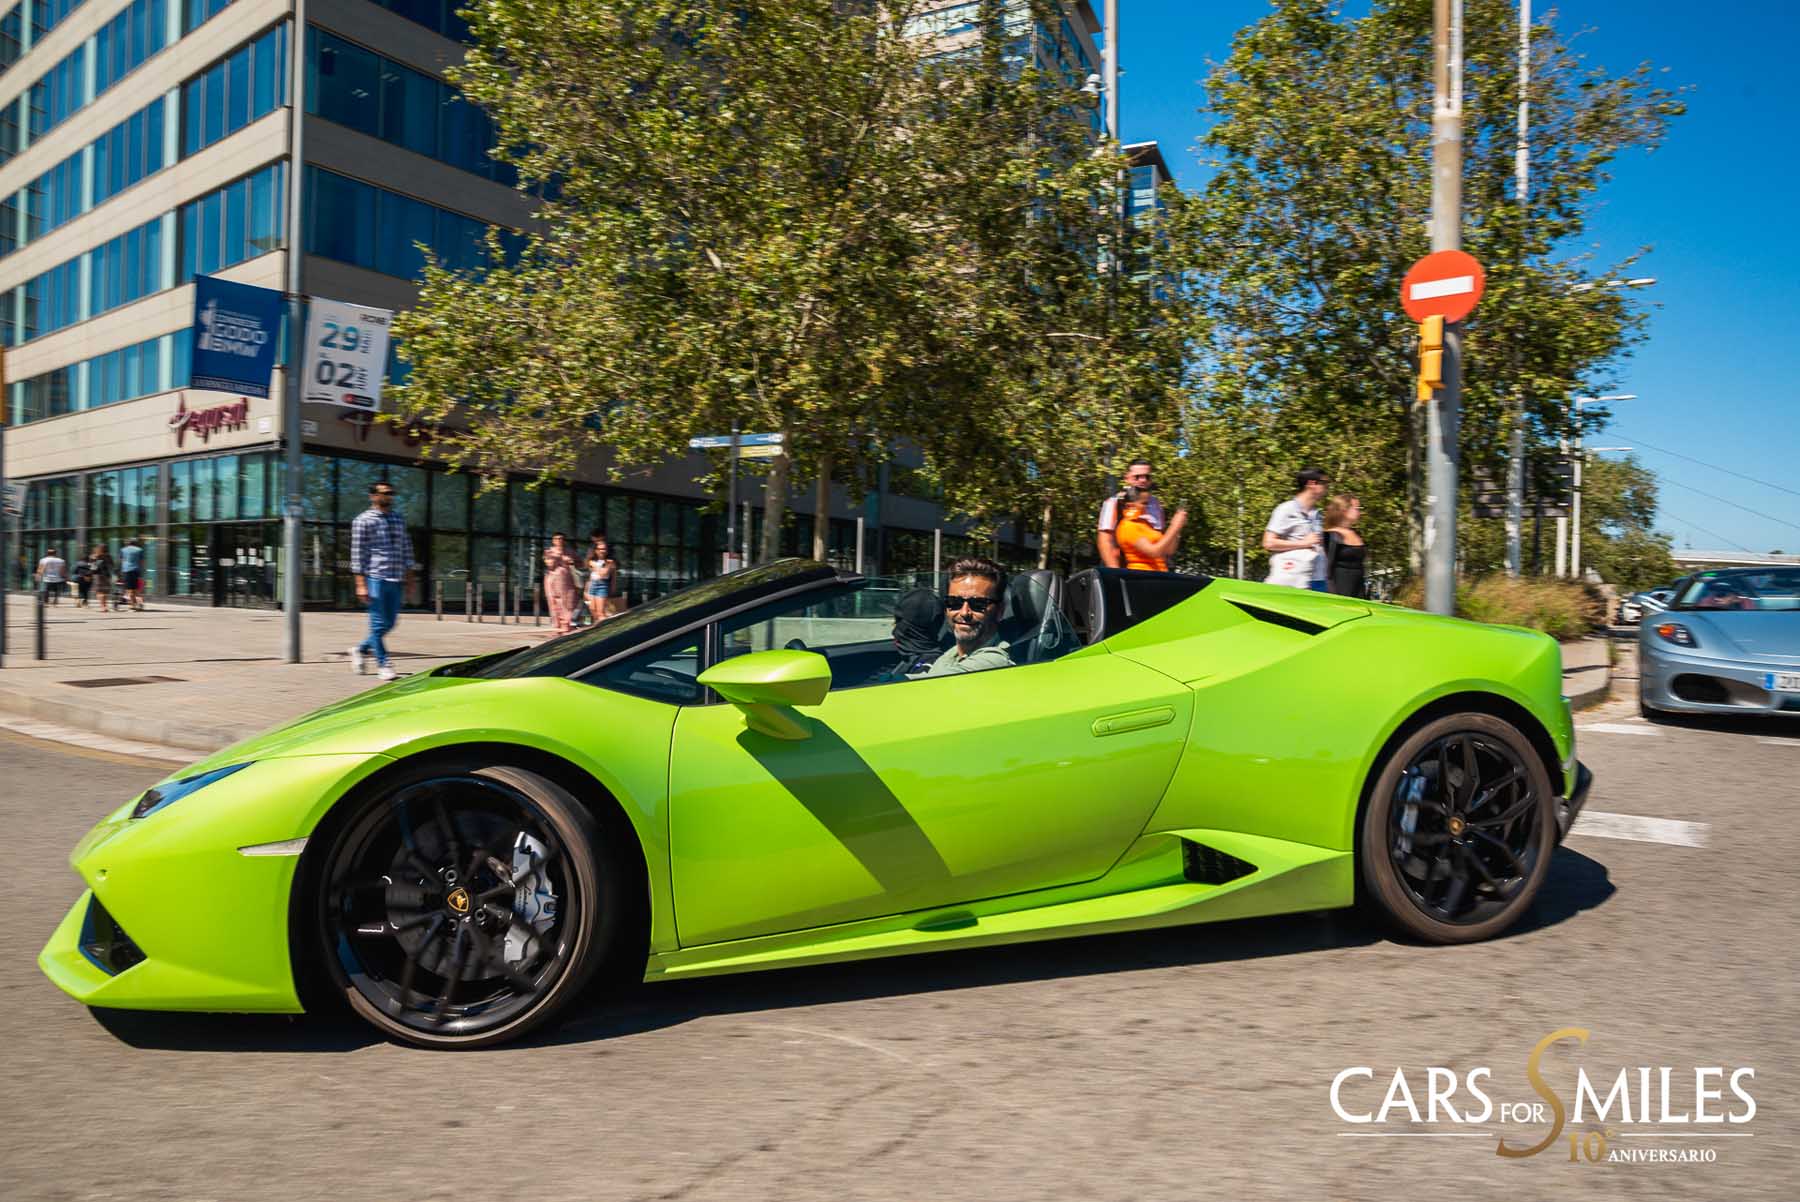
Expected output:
(1431, 357)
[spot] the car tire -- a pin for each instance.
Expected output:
(573, 882)
(1501, 844)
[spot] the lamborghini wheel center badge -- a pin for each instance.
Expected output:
(458, 900)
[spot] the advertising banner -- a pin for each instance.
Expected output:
(346, 354)
(235, 327)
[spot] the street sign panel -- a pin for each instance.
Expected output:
(346, 354)
(1445, 283)
(710, 442)
(759, 452)
(235, 327)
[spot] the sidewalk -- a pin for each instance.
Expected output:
(1587, 671)
(200, 679)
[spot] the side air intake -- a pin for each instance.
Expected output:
(1274, 618)
(1209, 866)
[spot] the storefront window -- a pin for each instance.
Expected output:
(225, 484)
(203, 490)
(490, 510)
(450, 501)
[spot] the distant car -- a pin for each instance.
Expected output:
(1638, 606)
(1729, 642)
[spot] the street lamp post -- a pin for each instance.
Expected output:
(1575, 507)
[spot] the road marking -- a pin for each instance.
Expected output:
(1780, 742)
(1620, 728)
(1603, 825)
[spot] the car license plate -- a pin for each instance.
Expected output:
(1782, 682)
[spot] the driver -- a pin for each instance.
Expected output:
(973, 605)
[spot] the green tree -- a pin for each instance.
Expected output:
(780, 214)
(1318, 203)
(1618, 509)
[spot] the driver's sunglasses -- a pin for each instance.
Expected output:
(980, 605)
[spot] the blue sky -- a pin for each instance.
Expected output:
(1716, 376)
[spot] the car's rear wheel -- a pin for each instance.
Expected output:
(463, 907)
(1459, 830)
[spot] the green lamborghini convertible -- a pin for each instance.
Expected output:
(748, 774)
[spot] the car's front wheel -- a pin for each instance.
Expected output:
(1459, 830)
(464, 907)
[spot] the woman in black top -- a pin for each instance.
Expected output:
(1345, 550)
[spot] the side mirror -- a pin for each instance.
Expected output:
(766, 685)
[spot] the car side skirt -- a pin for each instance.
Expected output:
(1153, 885)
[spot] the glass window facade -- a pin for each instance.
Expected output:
(239, 221)
(128, 152)
(238, 89)
(152, 366)
(439, 16)
(370, 227)
(124, 42)
(12, 27)
(130, 266)
(377, 96)
(114, 161)
(61, 90)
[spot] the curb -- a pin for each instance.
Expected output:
(1596, 686)
(182, 736)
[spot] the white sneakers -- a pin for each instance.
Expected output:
(359, 664)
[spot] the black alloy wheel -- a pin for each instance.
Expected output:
(1459, 830)
(462, 908)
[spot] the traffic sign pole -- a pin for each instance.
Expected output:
(1443, 412)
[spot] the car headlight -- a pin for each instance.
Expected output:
(1675, 632)
(162, 795)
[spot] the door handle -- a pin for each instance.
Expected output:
(1118, 724)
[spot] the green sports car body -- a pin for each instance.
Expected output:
(741, 776)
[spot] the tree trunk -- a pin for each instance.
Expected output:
(1044, 544)
(774, 506)
(822, 509)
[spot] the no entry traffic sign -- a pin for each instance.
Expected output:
(1445, 283)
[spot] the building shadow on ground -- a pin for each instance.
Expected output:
(1576, 884)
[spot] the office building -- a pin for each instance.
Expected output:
(144, 142)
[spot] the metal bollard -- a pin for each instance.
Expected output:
(468, 601)
(518, 605)
(40, 623)
(537, 606)
(480, 601)
(439, 591)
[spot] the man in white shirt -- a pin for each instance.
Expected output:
(1295, 536)
(52, 575)
(1106, 539)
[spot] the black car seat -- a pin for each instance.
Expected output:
(1034, 624)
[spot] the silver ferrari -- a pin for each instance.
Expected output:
(1728, 643)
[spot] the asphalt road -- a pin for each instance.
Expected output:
(1183, 1064)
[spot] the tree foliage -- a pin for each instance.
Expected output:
(781, 214)
(1319, 203)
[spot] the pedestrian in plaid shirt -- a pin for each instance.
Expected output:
(381, 559)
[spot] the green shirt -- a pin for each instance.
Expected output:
(993, 654)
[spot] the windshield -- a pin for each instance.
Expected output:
(1757, 589)
(572, 652)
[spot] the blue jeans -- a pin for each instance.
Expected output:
(1318, 586)
(384, 611)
